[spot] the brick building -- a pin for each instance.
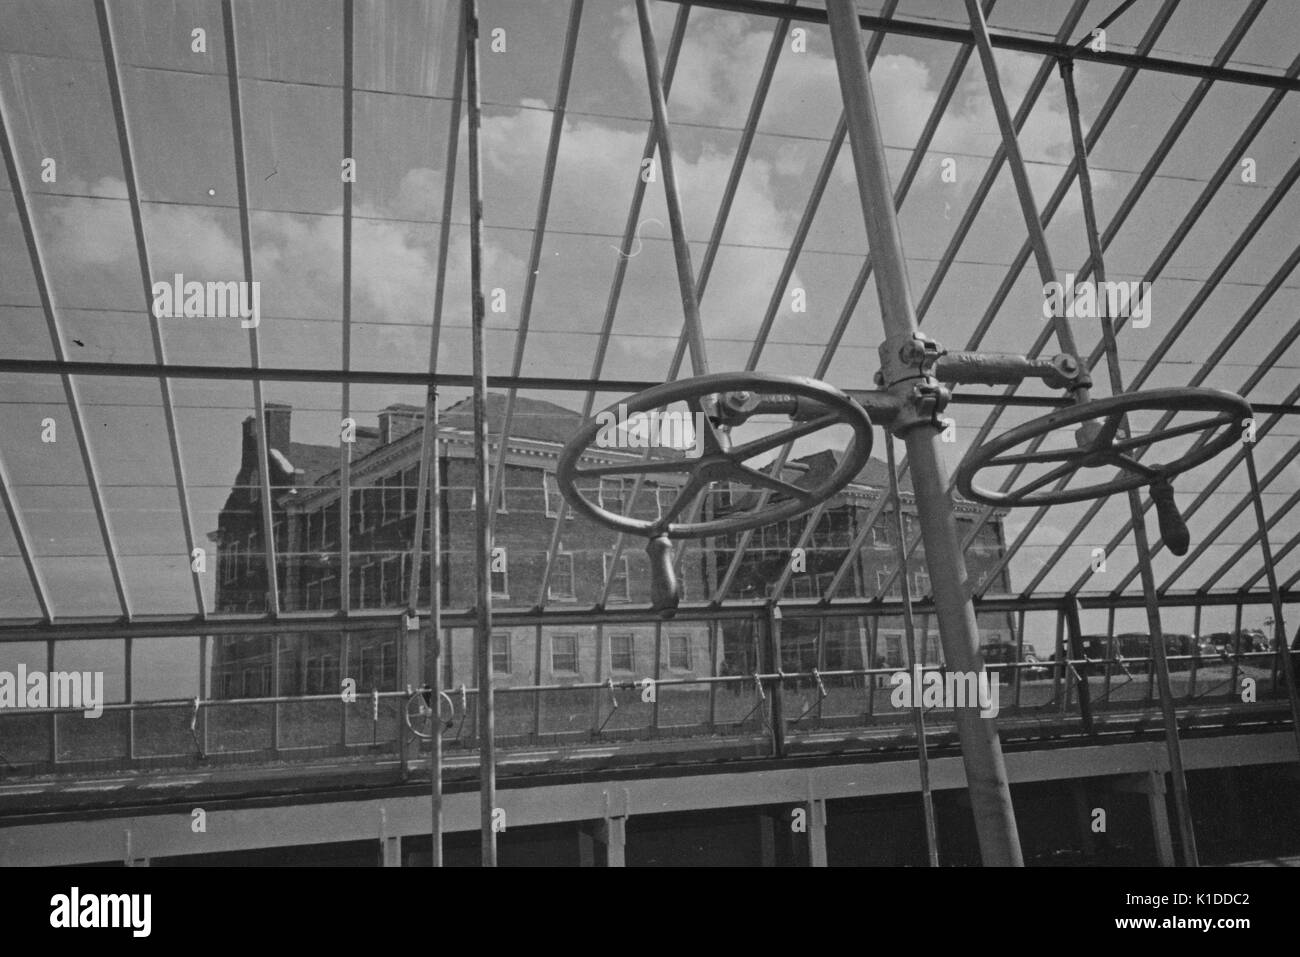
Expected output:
(305, 492)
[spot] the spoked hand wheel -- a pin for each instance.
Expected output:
(717, 461)
(421, 714)
(1100, 444)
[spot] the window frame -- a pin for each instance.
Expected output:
(566, 636)
(686, 644)
(551, 594)
(630, 637)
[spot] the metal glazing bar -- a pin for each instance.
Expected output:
(60, 353)
(1112, 103)
(1220, 351)
(681, 250)
(1172, 744)
(1134, 194)
(1006, 41)
(715, 238)
(23, 539)
(1250, 542)
(616, 289)
(1126, 206)
(535, 251)
(1110, 18)
(1000, 155)
(1275, 597)
(778, 296)
(1020, 175)
(429, 458)
(254, 349)
(122, 124)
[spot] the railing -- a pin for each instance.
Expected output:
(742, 708)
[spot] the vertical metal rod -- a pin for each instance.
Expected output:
(918, 712)
(254, 347)
(482, 503)
(435, 632)
(1275, 599)
(346, 597)
(981, 751)
(1172, 744)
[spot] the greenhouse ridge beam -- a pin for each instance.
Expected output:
(1007, 41)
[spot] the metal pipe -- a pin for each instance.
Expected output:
(435, 638)
(483, 503)
(981, 752)
(914, 662)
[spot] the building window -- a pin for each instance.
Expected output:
(561, 585)
(880, 532)
(357, 517)
(664, 498)
(232, 563)
(501, 654)
(330, 526)
(801, 586)
(392, 499)
(371, 593)
(679, 653)
(882, 576)
(618, 585)
(611, 495)
(410, 490)
(391, 587)
(564, 654)
(313, 596)
(909, 525)
(500, 579)
(922, 583)
(329, 592)
(622, 655)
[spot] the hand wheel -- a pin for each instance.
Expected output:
(718, 461)
(421, 715)
(1100, 445)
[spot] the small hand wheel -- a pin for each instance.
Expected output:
(1100, 445)
(421, 715)
(716, 461)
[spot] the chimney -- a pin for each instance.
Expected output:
(399, 420)
(277, 434)
(277, 426)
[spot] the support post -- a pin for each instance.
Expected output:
(483, 504)
(1152, 784)
(817, 832)
(986, 773)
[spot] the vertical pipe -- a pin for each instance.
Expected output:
(435, 636)
(778, 686)
(909, 629)
(1275, 599)
(986, 773)
(1161, 664)
(483, 504)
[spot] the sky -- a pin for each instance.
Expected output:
(56, 104)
